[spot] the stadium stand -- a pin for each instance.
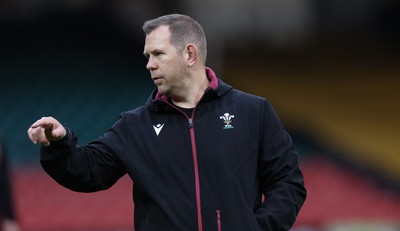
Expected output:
(351, 113)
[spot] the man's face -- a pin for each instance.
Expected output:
(166, 65)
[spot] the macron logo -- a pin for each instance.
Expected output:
(157, 128)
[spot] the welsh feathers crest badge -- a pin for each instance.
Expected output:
(227, 120)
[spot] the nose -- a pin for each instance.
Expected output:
(151, 65)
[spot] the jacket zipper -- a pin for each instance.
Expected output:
(196, 173)
(219, 220)
(195, 166)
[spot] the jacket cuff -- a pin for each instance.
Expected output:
(62, 144)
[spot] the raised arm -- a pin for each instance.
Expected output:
(86, 168)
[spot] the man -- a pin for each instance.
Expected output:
(203, 156)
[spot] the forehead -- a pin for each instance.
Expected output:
(159, 37)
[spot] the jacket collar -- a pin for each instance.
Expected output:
(216, 89)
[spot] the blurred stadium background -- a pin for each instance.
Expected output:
(331, 68)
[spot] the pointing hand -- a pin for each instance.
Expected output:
(45, 130)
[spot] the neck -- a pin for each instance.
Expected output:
(194, 91)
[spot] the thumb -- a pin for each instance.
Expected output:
(55, 132)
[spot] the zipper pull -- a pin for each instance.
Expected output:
(190, 123)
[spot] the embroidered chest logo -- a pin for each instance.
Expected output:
(157, 128)
(227, 120)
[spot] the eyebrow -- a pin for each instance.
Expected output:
(145, 53)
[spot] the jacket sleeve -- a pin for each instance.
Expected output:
(282, 181)
(89, 168)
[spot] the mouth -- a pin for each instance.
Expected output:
(157, 80)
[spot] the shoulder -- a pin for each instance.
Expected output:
(252, 103)
(132, 116)
(245, 97)
(139, 111)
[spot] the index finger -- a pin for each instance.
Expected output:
(43, 122)
(35, 134)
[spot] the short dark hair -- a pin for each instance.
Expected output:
(184, 30)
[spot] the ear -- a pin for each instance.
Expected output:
(191, 54)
